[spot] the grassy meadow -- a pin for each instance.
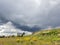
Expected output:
(43, 37)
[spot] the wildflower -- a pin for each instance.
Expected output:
(34, 39)
(27, 38)
(18, 40)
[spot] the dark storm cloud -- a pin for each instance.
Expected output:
(43, 13)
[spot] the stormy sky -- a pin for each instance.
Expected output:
(42, 13)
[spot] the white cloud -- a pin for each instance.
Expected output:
(8, 29)
(53, 2)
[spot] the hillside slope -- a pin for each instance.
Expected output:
(49, 31)
(44, 37)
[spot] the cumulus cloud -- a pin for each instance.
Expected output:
(31, 12)
(8, 29)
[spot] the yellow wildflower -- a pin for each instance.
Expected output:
(27, 38)
(34, 39)
(17, 40)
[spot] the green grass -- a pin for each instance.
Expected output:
(43, 37)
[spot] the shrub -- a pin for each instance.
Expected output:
(23, 34)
